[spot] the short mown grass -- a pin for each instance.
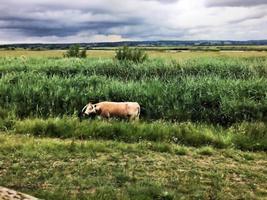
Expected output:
(77, 169)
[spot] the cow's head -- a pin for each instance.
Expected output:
(89, 109)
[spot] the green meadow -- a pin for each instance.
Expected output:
(202, 133)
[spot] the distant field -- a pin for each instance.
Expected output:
(199, 48)
(168, 54)
(54, 53)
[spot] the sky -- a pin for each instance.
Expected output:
(71, 21)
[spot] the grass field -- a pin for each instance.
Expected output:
(202, 133)
(75, 169)
(210, 90)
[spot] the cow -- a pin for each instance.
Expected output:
(124, 110)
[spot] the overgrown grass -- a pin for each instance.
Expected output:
(206, 151)
(211, 90)
(209, 103)
(75, 169)
(203, 99)
(224, 67)
(246, 136)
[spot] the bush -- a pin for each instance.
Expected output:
(136, 55)
(82, 53)
(74, 51)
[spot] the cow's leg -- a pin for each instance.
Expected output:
(105, 115)
(137, 114)
(134, 118)
(108, 116)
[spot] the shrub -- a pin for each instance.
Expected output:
(82, 53)
(74, 51)
(136, 55)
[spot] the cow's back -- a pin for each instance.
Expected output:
(119, 109)
(133, 108)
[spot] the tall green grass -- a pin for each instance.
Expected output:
(203, 99)
(246, 136)
(212, 90)
(235, 68)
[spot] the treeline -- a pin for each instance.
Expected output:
(183, 44)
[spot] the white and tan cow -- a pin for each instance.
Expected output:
(126, 110)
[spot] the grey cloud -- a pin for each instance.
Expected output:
(51, 28)
(235, 3)
(130, 19)
(250, 17)
(43, 21)
(165, 1)
(47, 18)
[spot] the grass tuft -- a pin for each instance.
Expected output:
(206, 151)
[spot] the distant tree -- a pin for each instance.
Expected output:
(74, 51)
(136, 55)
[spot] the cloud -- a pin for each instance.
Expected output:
(235, 3)
(164, 1)
(60, 19)
(108, 20)
(254, 16)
